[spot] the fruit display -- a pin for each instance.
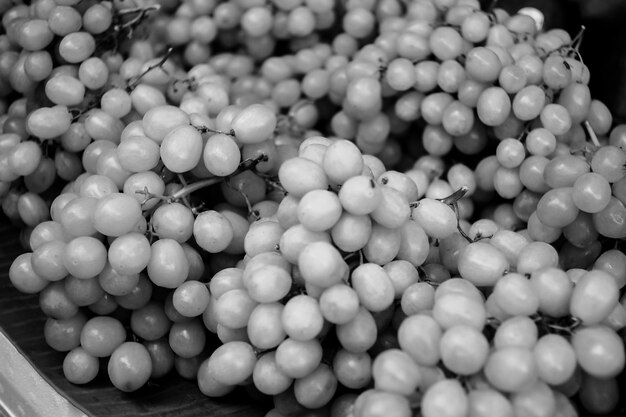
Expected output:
(351, 208)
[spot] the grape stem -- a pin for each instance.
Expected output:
(206, 129)
(449, 200)
(251, 211)
(135, 82)
(131, 10)
(131, 24)
(558, 326)
(453, 201)
(148, 195)
(455, 196)
(198, 185)
(272, 182)
(493, 322)
(246, 165)
(592, 134)
(575, 44)
(455, 207)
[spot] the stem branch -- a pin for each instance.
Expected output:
(592, 134)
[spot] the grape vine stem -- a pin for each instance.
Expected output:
(592, 134)
(198, 185)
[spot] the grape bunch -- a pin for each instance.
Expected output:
(355, 208)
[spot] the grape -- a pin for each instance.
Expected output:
(359, 334)
(342, 160)
(339, 303)
(445, 398)
(64, 335)
(191, 298)
(116, 214)
(115, 283)
(233, 308)
(594, 297)
(515, 295)
(49, 122)
(599, 395)
(373, 287)
(262, 236)
(173, 221)
(436, 218)
(539, 398)
(187, 338)
(150, 322)
(268, 284)
(555, 358)
(221, 154)
(138, 296)
(316, 389)
(464, 349)
(319, 210)
(299, 175)
(484, 402)
(161, 356)
(360, 195)
(101, 335)
(254, 124)
(516, 331)
(130, 366)
(611, 261)
(298, 359)
(79, 367)
(413, 243)
(493, 106)
(302, 318)
(168, 266)
(321, 264)
(333, 250)
(130, 253)
(419, 335)
(482, 264)
(213, 231)
(599, 351)
(395, 371)
(267, 377)
(208, 385)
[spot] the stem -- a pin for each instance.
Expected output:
(455, 196)
(493, 322)
(578, 38)
(131, 24)
(455, 207)
(251, 211)
(190, 188)
(592, 134)
(275, 184)
(206, 129)
(148, 195)
(135, 82)
(154, 7)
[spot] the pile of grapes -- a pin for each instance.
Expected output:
(376, 207)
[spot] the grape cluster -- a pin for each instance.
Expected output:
(376, 207)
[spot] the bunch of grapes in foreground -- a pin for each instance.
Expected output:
(348, 208)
